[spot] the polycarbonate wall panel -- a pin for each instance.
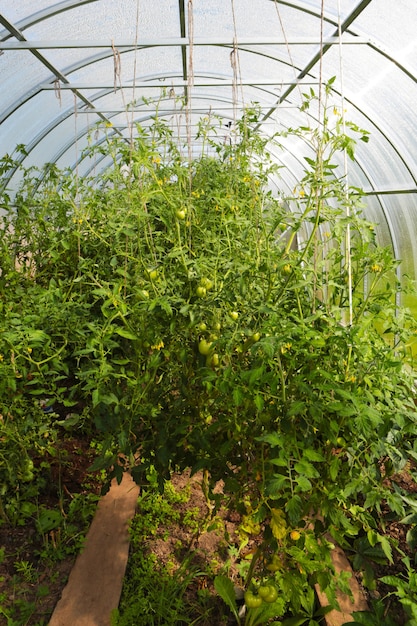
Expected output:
(392, 23)
(35, 116)
(380, 157)
(376, 213)
(151, 62)
(19, 75)
(385, 170)
(259, 18)
(379, 87)
(401, 212)
(250, 64)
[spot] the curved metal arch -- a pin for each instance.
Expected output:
(373, 45)
(56, 72)
(95, 59)
(311, 11)
(69, 112)
(87, 129)
(101, 56)
(66, 5)
(104, 92)
(315, 59)
(82, 133)
(98, 57)
(69, 4)
(107, 54)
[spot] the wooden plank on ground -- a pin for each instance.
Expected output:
(95, 583)
(347, 605)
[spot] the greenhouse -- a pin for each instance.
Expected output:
(208, 307)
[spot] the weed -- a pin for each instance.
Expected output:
(26, 570)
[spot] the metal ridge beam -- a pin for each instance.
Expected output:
(43, 44)
(177, 111)
(220, 82)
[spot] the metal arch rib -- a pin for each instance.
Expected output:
(103, 92)
(148, 115)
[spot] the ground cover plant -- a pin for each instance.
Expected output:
(185, 317)
(183, 553)
(185, 556)
(45, 527)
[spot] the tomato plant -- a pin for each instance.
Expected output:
(204, 321)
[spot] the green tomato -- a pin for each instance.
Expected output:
(153, 274)
(27, 473)
(207, 283)
(252, 601)
(234, 315)
(264, 590)
(202, 326)
(217, 326)
(268, 593)
(204, 347)
(256, 336)
(181, 213)
(201, 291)
(213, 360)
(275, 564)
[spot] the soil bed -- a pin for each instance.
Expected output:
(35, 568)
(216, 544)
(35, 565)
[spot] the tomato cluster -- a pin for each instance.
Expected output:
(264, 593)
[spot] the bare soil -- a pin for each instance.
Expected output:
(210, 550)
(33, 596)
(35, 567)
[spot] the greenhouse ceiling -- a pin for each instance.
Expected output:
(66, 66)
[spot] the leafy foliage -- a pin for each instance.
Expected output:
(206, 323)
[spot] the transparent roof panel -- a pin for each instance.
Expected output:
(66, 65)
(20, 10)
